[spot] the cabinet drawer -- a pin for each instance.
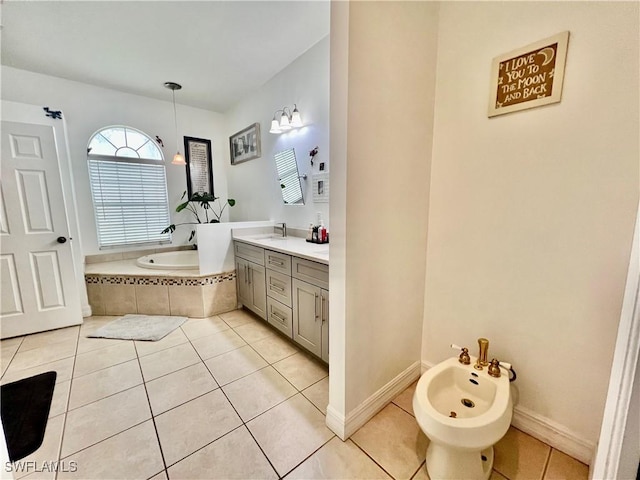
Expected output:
(277, 261)
(280, 316)
(249, 252)
(279, 287)
(312, 272)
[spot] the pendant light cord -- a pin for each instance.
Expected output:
(175, 119)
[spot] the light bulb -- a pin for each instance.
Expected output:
(284, 122)
(296, 121)
(178, 159)
(275, 127)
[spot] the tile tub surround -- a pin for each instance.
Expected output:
(121, 287)
(178, 402)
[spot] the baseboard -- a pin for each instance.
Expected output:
(546, 430)
(552, 433)
(86, 311)
(344, 427)
(335, 422)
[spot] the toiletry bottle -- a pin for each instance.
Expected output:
(314, 237)
(310, 233)
(322, 233)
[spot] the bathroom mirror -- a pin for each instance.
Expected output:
(289, 177)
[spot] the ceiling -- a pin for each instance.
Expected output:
(219, 51)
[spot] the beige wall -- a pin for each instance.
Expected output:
(390, 75)
(531, 213)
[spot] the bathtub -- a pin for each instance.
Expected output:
(178, 260)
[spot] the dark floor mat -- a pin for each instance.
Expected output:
(24, 411)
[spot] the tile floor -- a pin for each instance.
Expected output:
(222, 397)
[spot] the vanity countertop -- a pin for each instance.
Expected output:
(295, 246)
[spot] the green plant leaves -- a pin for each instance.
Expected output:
(182, 206)
(205, 200)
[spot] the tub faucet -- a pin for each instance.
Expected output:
(483, 343)
(281, 227)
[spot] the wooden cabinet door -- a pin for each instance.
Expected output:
(258, 287)
(242, 282)
(307, 325)
(324, 304)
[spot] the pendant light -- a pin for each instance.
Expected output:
(178, 159)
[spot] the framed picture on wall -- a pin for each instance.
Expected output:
(245, 144)
(199, 165)
(529, 76)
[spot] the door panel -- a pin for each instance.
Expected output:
(34, 201)
(39, 290)
(47, 282)
(11, 298)
(4, 224)
(258, 290)
(306, 320)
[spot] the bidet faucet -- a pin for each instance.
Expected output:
(483, 344)
(282, 227)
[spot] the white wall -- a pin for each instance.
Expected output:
(531, 213)
(254, 184)
(387, 79)
(87, 108)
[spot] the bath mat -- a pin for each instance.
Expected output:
(140, 327)
(24, 411)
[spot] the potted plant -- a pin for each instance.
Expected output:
(207, 202)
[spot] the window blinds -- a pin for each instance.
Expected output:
(130, 201)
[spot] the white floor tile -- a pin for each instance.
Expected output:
(255, 393)
(235, 364)
(301, 370)
(134, 453)
(168, 361)
(177, 337)
(103, 358)
(338, 459)
(234, 456)
(201, 327)
(193, 425)
(218, 343)
(99, 420)
(179, 387)
(318, 394)
(394, 440)
(105, 382)
(290, 432)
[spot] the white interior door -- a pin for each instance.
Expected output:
(38, 287)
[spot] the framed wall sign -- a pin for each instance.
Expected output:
(245, 145)
(528, 77)
(199, 165)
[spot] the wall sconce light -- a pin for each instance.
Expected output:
(286, 121)
(178, 159)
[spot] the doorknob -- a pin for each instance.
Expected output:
(61, 239)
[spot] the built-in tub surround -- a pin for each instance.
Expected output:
(121, 287)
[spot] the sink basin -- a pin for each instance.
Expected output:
(268, 236)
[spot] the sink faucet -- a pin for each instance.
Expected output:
(281, 227)
(483, 343)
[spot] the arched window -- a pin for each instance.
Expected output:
(128, 187)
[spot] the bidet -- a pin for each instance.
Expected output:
(463, 412)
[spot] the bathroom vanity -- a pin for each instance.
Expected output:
(285, 281)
